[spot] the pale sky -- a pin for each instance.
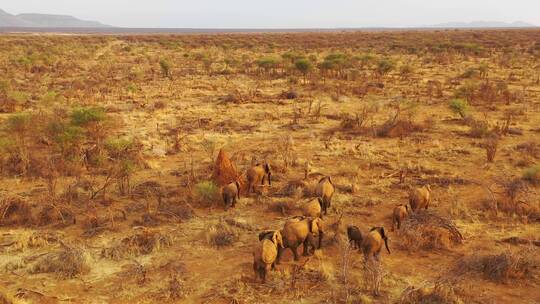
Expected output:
(282, 13)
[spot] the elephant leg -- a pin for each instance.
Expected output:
(352, 244)
(398, 224)
(295, 252)
(306, 248)
(263, 274)
(279, 253)
(377, 256)
(256, 270)
(234, 202)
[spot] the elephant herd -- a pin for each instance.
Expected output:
(307, 230)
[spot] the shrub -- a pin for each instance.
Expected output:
(85, 116)
(206, 191)
(67, 263)
(459, 106)
(532, 174)
(499, 268)
(385, 66)
(304, 66)
(221, 234)
(165, 67)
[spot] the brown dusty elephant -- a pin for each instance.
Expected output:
(265, 253)
(420, 197)
(302, 230)
(257, 174)
(231, 194)
(325, 190)
(313, 208)
(372, 243)
(355, 237)
(398, 215)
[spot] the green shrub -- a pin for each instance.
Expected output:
(385, 66)
(206, 191)
(459, 106)
(118, 147)
(532, 174)
(19, 123)
(85, 116)
(165, 67)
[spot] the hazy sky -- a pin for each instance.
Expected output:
(282, 13)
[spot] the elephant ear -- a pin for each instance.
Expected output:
(316, 226)
(278, 239)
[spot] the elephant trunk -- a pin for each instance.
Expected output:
(386, 245)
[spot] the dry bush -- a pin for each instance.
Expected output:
(491, 145)
(5, 298)
(500, 268)
(148, 188)
(373, 276)
(177, 209)
(27, 239)
(440, 293)
(426, 230)
(67, 263)
(284, 206)
(15, 211)
(140, 243)
(221, 234)
(56, 214)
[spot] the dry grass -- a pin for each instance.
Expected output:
(221, 234)
(426, 230)
(439, 292)
(141, 243)
(15, 211)
(504, 267)
(66, 263)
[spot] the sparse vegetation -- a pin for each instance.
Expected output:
(109, 183)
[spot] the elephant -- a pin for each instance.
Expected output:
(231, 193)
(372, 243)
(355, 236)
(257, 174)
(325, 190)
(302, 230)
(399, 214)
(420, 197)
(266, 252)
(313, 208)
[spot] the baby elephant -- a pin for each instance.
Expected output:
(231, 193)
(400, 213)
(420, 197)
(265, 254)
(373, 242)
(355, 237)
(313, 208)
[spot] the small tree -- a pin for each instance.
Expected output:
(459, 106)
(165, 68)
(304, 66)
(385, 66)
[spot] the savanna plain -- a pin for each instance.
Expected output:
(114, 150)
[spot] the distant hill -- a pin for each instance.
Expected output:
(45, 21)
(483, 24)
